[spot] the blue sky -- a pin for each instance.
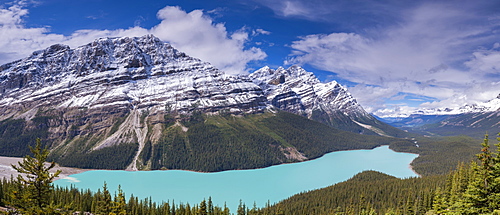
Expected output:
(393, 55)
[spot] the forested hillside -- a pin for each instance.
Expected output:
(221, 142)
(470, 189)
(205, 142)
(194, 141)
(366, 193)
(439, 155)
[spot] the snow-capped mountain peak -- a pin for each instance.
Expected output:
(482, 107)
(132, 93)
(140, 72)
(298, 91)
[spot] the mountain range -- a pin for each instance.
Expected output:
(473, 120)
(138, 103)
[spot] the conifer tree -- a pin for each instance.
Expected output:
(483, 193)
(439, 205)
(119, 204)
(210, 206)
(103, 203)
(34, 183)
(203, 208)
(241, 208)
(226, 209)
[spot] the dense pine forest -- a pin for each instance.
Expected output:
(235, 142)
(472, 188)
(469, 189)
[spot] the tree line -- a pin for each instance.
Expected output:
(32, 192)
(472, 188)
(225, 142)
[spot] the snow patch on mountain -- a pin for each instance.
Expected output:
(138, 73)
(492, 105)
(298, 91)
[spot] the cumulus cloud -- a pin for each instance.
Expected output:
(486, 61)
(193, 33)
(17, 41)
(197, 35)
(433, 51)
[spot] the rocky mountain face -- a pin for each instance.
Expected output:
(130, 73)
(297, 91)
(101, 92)
(115, 98)
(300, 92)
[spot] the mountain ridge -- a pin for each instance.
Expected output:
(131, 95)
(300, 92)
(491, 105)
(473, 120)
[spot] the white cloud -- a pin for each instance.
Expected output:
(17, 41)
(260, 31)
(198, 36)
(424, 54)
(336, 51)
(294, 8)
(394, 111)
(193, 33)
(486, 61)
(372, 95)
(11, 16)
(314, 10)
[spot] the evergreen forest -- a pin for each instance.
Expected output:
(247, 142)
(234, 142)
(471, 188)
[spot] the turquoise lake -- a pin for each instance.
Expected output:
(251, 186)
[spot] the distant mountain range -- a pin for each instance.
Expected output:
(138, 103)
(472, 120)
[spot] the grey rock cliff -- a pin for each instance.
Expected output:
(298, 91)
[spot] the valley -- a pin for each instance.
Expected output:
(226, 187)
(470, 120)
(138, 104)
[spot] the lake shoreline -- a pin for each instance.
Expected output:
(271, 184)
(6, 170)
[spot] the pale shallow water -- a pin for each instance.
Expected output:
(257, 185)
